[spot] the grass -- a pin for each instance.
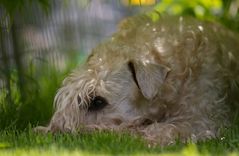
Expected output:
(26, 142)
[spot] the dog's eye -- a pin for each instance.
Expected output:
(97, 103)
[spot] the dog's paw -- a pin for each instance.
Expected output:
(160, 134)
(41, 129)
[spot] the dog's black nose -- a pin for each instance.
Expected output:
(97, 103)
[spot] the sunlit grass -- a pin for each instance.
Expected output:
(19, 143)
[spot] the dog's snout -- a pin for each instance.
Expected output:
(97, 103)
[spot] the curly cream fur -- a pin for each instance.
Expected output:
(165, 80)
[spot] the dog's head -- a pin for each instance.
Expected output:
(119, 83)
(111, 89)
(127, 77)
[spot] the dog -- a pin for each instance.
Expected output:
(166, 80)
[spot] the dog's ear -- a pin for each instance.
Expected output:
(148, 77)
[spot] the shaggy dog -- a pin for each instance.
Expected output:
(166, 80)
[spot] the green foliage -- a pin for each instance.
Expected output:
(216, 10)
(13, 6)
(197, 8)
(36, 106)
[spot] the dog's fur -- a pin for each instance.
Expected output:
(170, 79)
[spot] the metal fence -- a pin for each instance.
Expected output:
(51, 37)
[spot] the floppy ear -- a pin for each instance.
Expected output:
(148, 77)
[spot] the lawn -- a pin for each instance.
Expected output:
(26, 142)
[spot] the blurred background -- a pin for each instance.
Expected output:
(41, 41)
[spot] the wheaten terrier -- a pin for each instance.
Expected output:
(165, 80)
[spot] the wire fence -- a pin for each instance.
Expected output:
(69, 29)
